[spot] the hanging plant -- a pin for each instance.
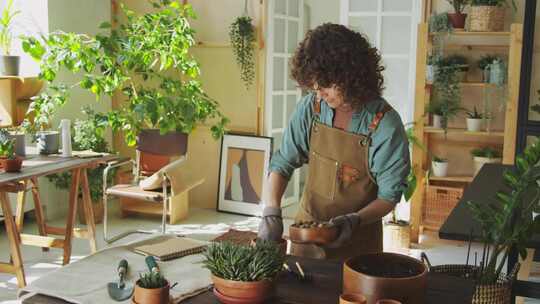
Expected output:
(242, 35)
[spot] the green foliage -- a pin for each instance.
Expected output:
(135, 60)
(152, 280)
(7, 145)
(439, 23)
(87, 134)
(439, 159)
(434, 59)
(536, 108)
(458, 5)
(242, 35)
(493, 3)
(455, 61)
(487, 59)
(486, 152)
(244, 263)
(474, 114)
(447, 91)
(8, 14)
(44, 107)
(509, 222)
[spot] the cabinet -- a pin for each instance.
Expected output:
(457, 143)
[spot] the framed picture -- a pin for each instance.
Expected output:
(242, 171)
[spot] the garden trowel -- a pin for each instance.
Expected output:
(120, 290)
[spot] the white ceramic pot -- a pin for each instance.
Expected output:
(474, 124)
(430, 73)
(440, 169)
(480, 161)
(437, 121)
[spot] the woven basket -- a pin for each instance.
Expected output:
(438, 204)
(498, 293)
(486, 19)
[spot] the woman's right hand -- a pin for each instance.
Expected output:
(271, 225)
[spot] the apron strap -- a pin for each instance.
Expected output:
(377, 119)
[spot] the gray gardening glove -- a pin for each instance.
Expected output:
(346, 224)
(271, 225)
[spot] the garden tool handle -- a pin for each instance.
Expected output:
(152, 264)
(122, 267)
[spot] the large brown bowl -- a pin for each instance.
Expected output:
(256, 292)
(358, 277)
(313, 235)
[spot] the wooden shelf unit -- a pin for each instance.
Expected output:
(459, 140)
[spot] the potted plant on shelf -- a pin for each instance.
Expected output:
(488, 15)
(446, 89)
(536, 108)
(457, 61)
(147, 60)
(88, 134)
(485, 155)
(243, 273)
(439, 166)
(484, 63)
(439, 27)
(432, 64)
(458, 17)
(435, 108)
(151, 288)
(474, 120)
(9, 161)
(242, 36)
(9, 64)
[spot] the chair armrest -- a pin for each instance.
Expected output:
(115, 164)
(172, 166)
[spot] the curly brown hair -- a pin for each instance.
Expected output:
(332, 54)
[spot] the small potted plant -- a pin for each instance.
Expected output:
(457, 61)
(484, 63)
(488, 15)
(242, 272)
(8, 159)
(439, 23)
(436, 109)
(439, 166)
(9, 64)
(458, 17)
(474, 120)
(485, 155)
(151, 288)
(433, 61)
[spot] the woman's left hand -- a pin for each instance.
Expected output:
(346, 224)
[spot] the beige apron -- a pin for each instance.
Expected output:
(339, 182)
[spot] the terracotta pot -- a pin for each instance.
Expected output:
(11, 165)
(97, 207)
(352, 298)
(315, 235)
(282, 245)
(457, 20)
(151, 296)
(156, 149)
(360, 275)
(388, 301)
(256, 292)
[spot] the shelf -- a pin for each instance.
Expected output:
(458, 178)
(469, 85)
(469, 34)
(429, 129)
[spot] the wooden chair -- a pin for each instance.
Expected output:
(165, 151)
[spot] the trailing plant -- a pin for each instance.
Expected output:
(439, 23)
(152, 280)
(7, 145)
(6, 37)
(434, 59)
(486, 152)
(458, 5)
(87, 134)
(509, 222)
(242, 35)
(486, 60)
(474, 114)
(494, 3)
(456, 60)
(136, 60)
(244, 263)
(447, 90)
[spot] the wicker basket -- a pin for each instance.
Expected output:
(486, 19)
(498, 293)
(439, 202)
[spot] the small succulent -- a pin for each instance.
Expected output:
(474, 114)
(439, 159)
(152, 280)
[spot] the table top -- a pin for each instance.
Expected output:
(460, 222)
(35, 165)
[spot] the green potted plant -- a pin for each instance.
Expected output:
(137, 61)
(483, 64)
(9, 64)
(439, 166)
(508, 223)
(488, 15)
(458, 17)
(38, 121)
(88, 134)
(456, 61)
(242, 272)
(433, 61)
(474, 120)
(242, 36)
(536, 108)
(485, 155)
(8, 159)
(151, 288)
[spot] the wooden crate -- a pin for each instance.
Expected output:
(438, 204)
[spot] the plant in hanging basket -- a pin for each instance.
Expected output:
(242, 35)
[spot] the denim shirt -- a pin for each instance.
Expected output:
(389, 161)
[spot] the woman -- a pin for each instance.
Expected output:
(354, 142)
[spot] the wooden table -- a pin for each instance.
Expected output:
(460, 222)
(35, 166)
